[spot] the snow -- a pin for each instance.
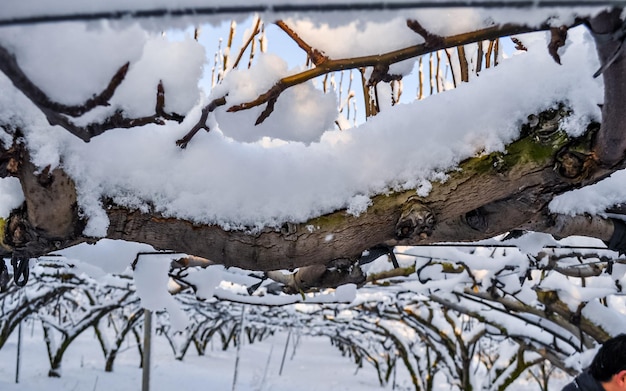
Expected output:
(151, 279)
(111, 256)
(293, 167)
(315, 365)
(251, 184)
(11, 195)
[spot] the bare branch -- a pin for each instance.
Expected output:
(384, 60)
(558, 35)
(432, 40)
(201, 124)
(519, 45)
(255, 32)
(316, 56)
(56, 112)
(10, 67)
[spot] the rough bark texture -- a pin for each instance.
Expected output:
(483, 199)
(611, 141)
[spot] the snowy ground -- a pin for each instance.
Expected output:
(316, 365)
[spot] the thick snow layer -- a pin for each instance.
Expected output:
(151, 280)
(313, 365)
(218, 179)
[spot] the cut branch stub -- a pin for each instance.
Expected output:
(432, 40)
(558, 35)
(416, 220)
(160, 106)
(316, 56)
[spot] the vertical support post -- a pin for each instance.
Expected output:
(19, 351)
(147, 342)
(239, 343)
(282, 362)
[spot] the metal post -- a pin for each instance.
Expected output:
(19, 350)
(147, 341)
(239, 343)
(280, 372)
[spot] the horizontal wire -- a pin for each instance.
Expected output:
(305, 8)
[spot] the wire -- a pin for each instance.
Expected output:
(305, 8)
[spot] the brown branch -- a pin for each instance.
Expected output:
(496, 50)
(387, 59)
(489, 54)
(231, 36)
(463, 65)
(431, 40)
(56, 113)
(201, 124)
(316, 56)
(558, 35)
(479, 57)
(115, 121)
(10, 67)
(519, 45)
(254, 33)
(449, 56)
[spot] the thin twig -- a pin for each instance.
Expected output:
(56, 112)
(479, 57)
(463, 63)
(496, 50)
(519, 45)
(489, 54)
(316, 56)
(10, 67)
(438, 71)
(420, 85)
(201, 124)
(250, 39)
(431, 76)
(231, 36)
(380, 60)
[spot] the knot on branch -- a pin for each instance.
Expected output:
(288, 230)
(576, 160)
(477, 219)
(24, 240)
(201, 124)
(545, 126)
(431, 40)
(575, 165)
(416, 219)
(381, 73)
(10, 160)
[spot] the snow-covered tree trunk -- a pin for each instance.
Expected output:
(484, 196)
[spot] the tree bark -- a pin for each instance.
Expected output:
(486, 196)
(611, 142)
